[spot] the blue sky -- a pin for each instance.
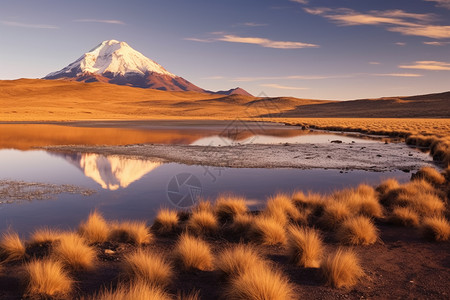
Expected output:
(327, 49)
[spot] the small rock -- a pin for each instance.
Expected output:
(337, 141)
(109, 251)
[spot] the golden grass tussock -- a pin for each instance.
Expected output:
(311, 200)
(404, 216)
(425, 204)
(134, 232)
(73, 251)
(260, 282)
(305, 246)
(44, 235)
(95, 229)
(411, 189)
(242, 224)
(193, 253)
(334, 213)
(135, 290)
(193, 295)
(11, 246)
(430, 175)
(47, 279)
(386, 186)
(166, 221)
(203, 205)
(362, 200)
(228, 206)
(268, 231)
(202, 222)
(283, 203)
(358, 230)
(152, 268)
(238, 259)
(341, 269)
(436, 228)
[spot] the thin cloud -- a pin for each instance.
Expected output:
(300, 1)
(252, 24)
(430, 65)
(399, 75)
(399, 21)
(117, 22)
(441, 3)
(26, 25)
(283, 87)
(263, 42)
(436, 43)
(374, 63)
(401, 44)
(213, 77)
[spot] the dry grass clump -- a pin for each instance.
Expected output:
(193, 253)
(311, 200)
(260, 283)
(341, 269)
(305, 246)
(11, 246)
(425, 204)
(134, 232)
(386, 186)
(166, 221)
(436, 228)
(203, 205)
(242, 224)
(47, 279)
(357, 231)
(409, 190)
(228, 206)
(135, 290)
(268, 231)
(73, 251)
(404, 216)
(282, 204)
(429, 174)
(44, 235)
(95, 229)
(148, 267)
(334, 213)
(238, 259)
(362, 200)
(202, 222)
(193, 295)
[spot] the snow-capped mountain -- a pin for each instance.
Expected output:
(116, 62)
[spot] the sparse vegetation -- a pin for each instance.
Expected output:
(281, 206)
(305, 246)
(334, 213)
(202, 222)
(404, 216)
(44, 235)
(166, 221)
(133, 232)
(73, 251)
(95, 229)
(47, 279)
(341, 269)
(429, 174)
(11, 246)
(238, 259)
(148, 267)
(268, 231)
(135, 290)
(229, 206)
(357, 231)
(436, 228)
(193, 253)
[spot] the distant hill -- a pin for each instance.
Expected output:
(236, 91)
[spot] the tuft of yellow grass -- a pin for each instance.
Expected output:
(166, 221)
(151, 268)
(283, 203)
(404, 216)
(44, 235)
(341, 269)
(362, 200)
(357, 231)
(305, 246)
(134, 232)
(202, 222)
(436, 228)
(193, 253)
(229, 206)
(238, 259)
(135, 290)
(268, 231)
(11, 246)
(95, 229)
(203, 205)
(260, 283)
(387, 185)
(430, 175)
(334, 213)
(193, 295)
(47, 279)
(242, 224)
(425, 204)
(73, 251)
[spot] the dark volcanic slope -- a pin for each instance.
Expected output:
(423, 106)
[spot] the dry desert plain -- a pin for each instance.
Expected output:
(389, 241)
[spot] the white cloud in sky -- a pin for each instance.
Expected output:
(436, 43)
(441, 3)
(117, 22)
(283, 87)
(27, 25)
(399, 75)
(430, 65)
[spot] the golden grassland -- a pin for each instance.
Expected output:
(348, 219)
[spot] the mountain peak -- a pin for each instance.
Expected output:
(235, 91)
